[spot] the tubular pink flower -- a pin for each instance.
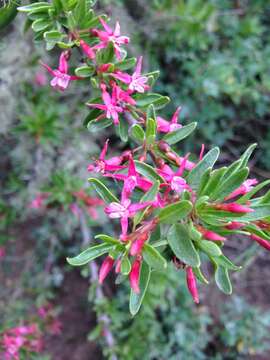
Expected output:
(122, 96)
(137, 245)
(234, 225)
(210, 235)
(118, 266)
(105, 269)
(110, 36)
(101, 165)
(38, 201)
(61, 78)
(192, 284)
(135, 82)
(110, 106)
(134, 276)
(246, 187)
(262, 242)
(166, 126)
(89, 52)
(233, 207)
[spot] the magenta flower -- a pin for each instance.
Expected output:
(234, 225)
(110, 36)
(166, 126)
(135, 82)
(110, 106)
(174, 179)
(89, 52)
(105, 269)
(132, 179)
(262, 242)
(137, 245)
(192, 284)
(233, 207)
(246, 187)
(210, 235)
(122, 96)
(102, 165)
(38, 201)
(134, 275)
(61, 78)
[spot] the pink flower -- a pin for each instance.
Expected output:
(174, 179)
(102, 165)
(192, 284)
(134, 275)
(110, 106)
(166, 126)
(233, 207)
(118, 266)
(135, 82)
(38, 201)
(105, 268)
(210, 235)
(122, 96)
(40, 78)
(110, 36)
(132, 179)
(262, 242)
(137, 245)
(89, 52)
(234, 225)
(246, 187)
(2, 252)
(61, 78)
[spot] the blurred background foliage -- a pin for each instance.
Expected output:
(214, 57)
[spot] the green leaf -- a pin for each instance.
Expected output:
(40, 24)
(35, 7)
(209, 248)
(90, 254)
(97, 125)
(108, 239)
(103, 191)
(222, 280)
(148, 171)
(80, 11)
(151, 113)
(175, 212)
(153, 258)
(223, 261)
(144, 100)
(199, 275)
(85, 71)
(230, 184)
(135, 300)
(125, 265)
(213, 182)
(182, 245)
(243, 199)
(197, 172)
(53, 36)
(7, 13)
(123, 129)
(137, 133)
(126, 64)
(180, 134)
(246, 156)
(151, 129)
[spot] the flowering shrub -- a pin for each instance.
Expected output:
(172, 208)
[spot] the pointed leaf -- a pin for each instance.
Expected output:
(175, 136)
(222, 280)
(103, 191)
(90, 254)
(175, 212)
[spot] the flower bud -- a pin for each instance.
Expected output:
(191, 284)
(89, 52)
(134, 276)
(105, 268)
(264, 243)
(137, 245)
(118, 266)
(233, 207)
(234, 225)
(210, 235)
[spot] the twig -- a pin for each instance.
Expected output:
(104, 319)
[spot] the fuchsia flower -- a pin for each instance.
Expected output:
(110, 36)
(234, 225)
(89, 52)
(122, 96)
(132, 179)
(135, 82)
(233, 207)
(134, 275)
(61, 78)
(210, 235)
(137, 245)
(175, 180)
(38, 201)
(101, 165)
(110, 106)
(262, 242)
(246, 187)
(192, 284)
(166, 126)
(105, 269)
